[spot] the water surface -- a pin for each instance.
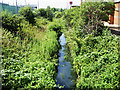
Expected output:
(65, 75)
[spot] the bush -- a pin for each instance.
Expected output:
(41, 23)
(95, 51)
(58, 26)
(29, 63)
(28, 14)
(87, 18)
(98, 62)
(46, 13)
(11, 22)
(49, 14)
(95, 60)
(40, 13)
(58, 14)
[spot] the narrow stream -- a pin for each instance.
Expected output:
(65, 76)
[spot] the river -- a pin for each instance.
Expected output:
(65, 76)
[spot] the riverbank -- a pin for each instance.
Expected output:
(95, 60)
(29, 63)
(30, 56)
(94, 50)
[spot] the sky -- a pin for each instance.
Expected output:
(44, 3)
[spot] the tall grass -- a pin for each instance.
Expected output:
(29, 62)
(95, 60)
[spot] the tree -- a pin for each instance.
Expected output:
(40, 13)
(45, 13)
(11, 22)
(58, 14)
(28, 14)
(87, 18)
(49, 13)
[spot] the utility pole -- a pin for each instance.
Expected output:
(67, 5)
(16, 7)
(25, 2)
(38, 5)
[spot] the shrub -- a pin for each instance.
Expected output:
(95, 51)
(29, 63)
(41, 23)
(87, 18)
(95, 60)
(40, 13)
(49, 14)
(58, 14)
(46, 13)
(58, 26)
(28, 14)
(11, 22)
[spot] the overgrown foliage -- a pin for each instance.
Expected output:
(29, 63)
(96, 60)
(58, 14)
(28, 14)
(29, 54)
(58, 25)
(30, 47)
(11, 22)
(87, 18)
(95, 51)
(46, 13)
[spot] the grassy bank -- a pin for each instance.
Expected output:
(29, 63)
(95, 60)
(94, 50)
(29, 52)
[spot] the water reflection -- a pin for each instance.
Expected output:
(64, 75)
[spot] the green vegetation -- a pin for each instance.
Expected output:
(30, 47)
(58, 25)
(58, 14)
(95, 51)
(88, 17)
(95, 60)
(46, 13)
(28, 14)
(11, 22)
(29, 63)
(29, 52)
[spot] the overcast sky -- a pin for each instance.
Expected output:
(44, 3)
